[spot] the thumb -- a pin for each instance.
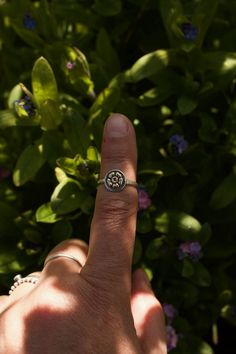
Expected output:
(148, 315)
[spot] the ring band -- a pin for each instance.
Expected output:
(115, 181)
(18, 280)
(58, 255)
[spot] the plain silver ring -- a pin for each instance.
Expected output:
(58, 255)
(115, 181)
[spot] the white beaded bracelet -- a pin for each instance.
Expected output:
(18, 280)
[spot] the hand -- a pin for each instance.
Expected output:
(98, 307)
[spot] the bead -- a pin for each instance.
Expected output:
(19, 280)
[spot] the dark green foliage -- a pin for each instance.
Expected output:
(170, 66)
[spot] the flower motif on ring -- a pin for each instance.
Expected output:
(115, 180)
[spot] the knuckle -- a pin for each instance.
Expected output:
(118, 208)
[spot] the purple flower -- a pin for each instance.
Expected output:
(190, 31)
(191, 250)
(178, 144)
(70, 65)
(171, 338)
(4, 173)
(27, 105)
(29, 22)
(144, 200)
(170, 312)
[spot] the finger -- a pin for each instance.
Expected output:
(148, 315)
(113, 226)
(4, 302)
(59, 265)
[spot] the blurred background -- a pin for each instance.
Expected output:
(170, 66)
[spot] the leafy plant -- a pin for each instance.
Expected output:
(170, 67)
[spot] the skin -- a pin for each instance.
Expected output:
(98, 307)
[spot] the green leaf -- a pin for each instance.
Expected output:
(148, 65)
(7, 216)
(93, 154)
(87, 206)
(220, 67)
(61, 231)
(137, 251)
(154, 96)
(104, 104)
(51, 116)
(178, 224)
(29, 37)
(79, 76)
(107, 7)
(60, 174)
(187, 269)
(67, 197)
(144, 223)
(203, 16)
(7, 118)
(153, 250)
(201, 276)
(172, 16)
(67, 164)
(107, 54)
(215, 250)
(186, 105)
(33, 235)
(76, 132)
(52, 145)
(225, 193)
(9, 262)
(28, 164)
(199, 347)
(14, 95)
(205, 233)
(82, 63)
(43, 82)
(45, 214)
(208, 131)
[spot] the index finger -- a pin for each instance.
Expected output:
(113, 226)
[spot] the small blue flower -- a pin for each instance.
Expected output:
(178, 144)
(190, 31)
(170, 312)
(192, 250)
(171, 338)
(144, 200)
(27, 105)
(29, 22)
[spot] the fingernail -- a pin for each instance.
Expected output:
(117, 126)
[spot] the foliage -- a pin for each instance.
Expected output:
(170, 67)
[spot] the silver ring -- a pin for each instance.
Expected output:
(57, 255)
(18, 280)
(115, 181)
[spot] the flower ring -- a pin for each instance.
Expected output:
(115, 181)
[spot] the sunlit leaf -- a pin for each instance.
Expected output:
(43, 82)
(28, 164)
(177, 224)
(45, 214)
